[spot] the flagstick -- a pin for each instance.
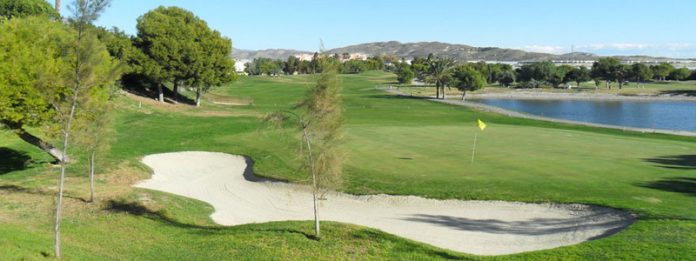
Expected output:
(473, 151)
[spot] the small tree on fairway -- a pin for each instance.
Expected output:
(559, 75)
(580, 75)
(404, 74)
(661, 71)
(468, 79)
(440, 73)
(640, 72)
(92, 68)
(506, 78)
(93, 128)
(321, 124)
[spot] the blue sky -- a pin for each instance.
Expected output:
(606, 27)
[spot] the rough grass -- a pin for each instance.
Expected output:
(395, 146)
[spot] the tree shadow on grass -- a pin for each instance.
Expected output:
(684, 162)
(398, 96)
(13, 160)
(16, 189)
(684, 185)
(141, 86)
(137, 209)
(37, 191)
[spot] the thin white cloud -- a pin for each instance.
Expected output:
(679, 46)
(675, 50)
(614, 46)
(544, 49)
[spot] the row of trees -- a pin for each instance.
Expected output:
(436, 71)
(58, 75)
(293, 65)
(445, 73)
(608, 70)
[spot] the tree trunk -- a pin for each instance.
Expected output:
(56, 246)
(198, 97)
(463, 94)
(621, 84)
(45, 146)
(315, 188)
(58, 6)
(63, 165)
(437, 90)
(444, 94)
(91, 175)
(160, 92)
(176, 91)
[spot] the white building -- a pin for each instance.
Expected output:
(239, 64)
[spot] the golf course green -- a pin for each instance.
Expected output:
(395, 145)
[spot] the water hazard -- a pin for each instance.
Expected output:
(666, 115)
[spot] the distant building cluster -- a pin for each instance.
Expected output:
(342, 57)
(355, 56)
(304, 57)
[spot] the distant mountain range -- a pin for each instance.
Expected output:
(422, 49)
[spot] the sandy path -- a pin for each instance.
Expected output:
(477, 227)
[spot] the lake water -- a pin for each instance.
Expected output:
(668, 115)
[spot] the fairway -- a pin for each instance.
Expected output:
(394, 145)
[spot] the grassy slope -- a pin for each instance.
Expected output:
(396, 146)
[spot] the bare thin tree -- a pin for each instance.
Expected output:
(320, 124)
(91, 69)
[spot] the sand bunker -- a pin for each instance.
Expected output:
(477, 227)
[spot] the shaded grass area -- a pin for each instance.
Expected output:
(395, 145)
(13, 160)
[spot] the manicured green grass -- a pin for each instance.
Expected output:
(395, 145)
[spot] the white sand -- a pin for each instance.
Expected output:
(476, 227)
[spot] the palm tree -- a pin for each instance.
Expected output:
(440, 72)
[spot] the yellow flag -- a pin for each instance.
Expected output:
(481, 125)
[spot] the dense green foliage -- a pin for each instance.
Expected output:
(179, 47)
(468, 79)
(33, 70)
(23, 8)
(404, 74)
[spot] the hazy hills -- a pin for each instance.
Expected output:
(421, 49)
